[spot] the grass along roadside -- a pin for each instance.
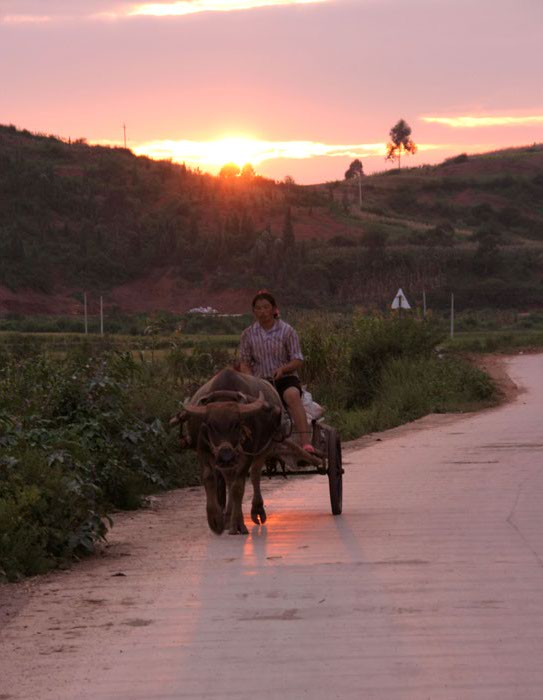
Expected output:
(410, 389)
(504, 341)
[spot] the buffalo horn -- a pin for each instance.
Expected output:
(254, 407)
(224, 395)
(196, 411)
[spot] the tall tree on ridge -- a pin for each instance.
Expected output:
(400, 142)
(356, 169)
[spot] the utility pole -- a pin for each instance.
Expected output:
(424, 303)
(85, 308)
(124, 131)
(101, 315)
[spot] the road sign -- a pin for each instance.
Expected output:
(400, 301)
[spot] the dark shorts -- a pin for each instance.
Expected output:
(284, 383)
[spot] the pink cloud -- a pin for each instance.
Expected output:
(471, 122)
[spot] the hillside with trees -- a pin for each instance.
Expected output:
(152, 235)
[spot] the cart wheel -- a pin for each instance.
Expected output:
(221, 490)
(335, 471)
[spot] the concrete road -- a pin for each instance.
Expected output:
(429, 586)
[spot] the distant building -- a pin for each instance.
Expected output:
(203, 310)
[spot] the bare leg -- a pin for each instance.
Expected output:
(297, 413)
(289, 447)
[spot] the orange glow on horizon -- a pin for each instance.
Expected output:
(240, 150)
(210, 156)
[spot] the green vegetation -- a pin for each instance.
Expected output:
(498, 341)
(81, 438)
(488, 330)
(117, 323)
(85, 435)
(374, 374)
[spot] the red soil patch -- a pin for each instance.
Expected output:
(318, 225)
(161, 290)
(30, 302)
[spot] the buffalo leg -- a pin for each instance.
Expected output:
(258, 514)
(229, 478)
(215, 516)
(237, 489)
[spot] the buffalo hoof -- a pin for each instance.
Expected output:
(215, 520)
(238, 528)
(258, 514)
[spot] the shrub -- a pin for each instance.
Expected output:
(376, 343)
(77, 443)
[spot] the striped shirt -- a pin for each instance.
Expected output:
(265, 351)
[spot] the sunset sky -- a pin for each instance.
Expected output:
(296, 87)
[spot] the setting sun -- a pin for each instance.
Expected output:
(208, 154)
(236, 150)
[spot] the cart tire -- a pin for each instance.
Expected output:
(221, 490)
(335, 471)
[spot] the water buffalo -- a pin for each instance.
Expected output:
(234, 423)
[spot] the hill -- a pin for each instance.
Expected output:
(151, 235)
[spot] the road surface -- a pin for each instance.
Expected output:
(429, 586)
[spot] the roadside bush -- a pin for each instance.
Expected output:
(326, 347)
(48, 512)
(414, 387)
(376, 342)
(77, 444)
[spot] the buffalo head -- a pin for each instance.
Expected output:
(224, 426)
